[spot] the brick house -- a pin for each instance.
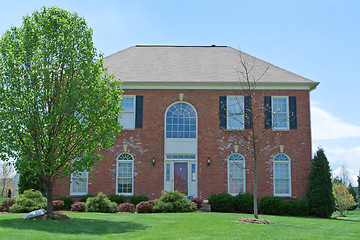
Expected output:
(180, 131)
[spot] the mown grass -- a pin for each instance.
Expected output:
(178, 226)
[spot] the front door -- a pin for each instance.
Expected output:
(181, 177)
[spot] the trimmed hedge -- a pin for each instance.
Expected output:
(118, 199)
(68, 201)
(137, 199)
(244, 203)
(222, 202)
(272, 205)
(297, 208)
(173, 201)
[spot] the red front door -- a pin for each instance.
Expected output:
(181, 177)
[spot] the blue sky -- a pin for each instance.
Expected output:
(318, 40)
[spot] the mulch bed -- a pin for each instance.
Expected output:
(52, 217)
(255, 220)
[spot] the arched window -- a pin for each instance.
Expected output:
(181, 121)
(125, 176)
(236, 174)
(282, 175)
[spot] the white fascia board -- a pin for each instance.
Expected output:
(218, 85)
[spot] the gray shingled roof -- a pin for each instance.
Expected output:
(191, 64)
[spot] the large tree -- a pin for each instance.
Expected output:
(319, 194)
(57, 103)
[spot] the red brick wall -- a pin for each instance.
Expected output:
(213, 142)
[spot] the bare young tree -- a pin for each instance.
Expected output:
(251, 112)
(6, 173)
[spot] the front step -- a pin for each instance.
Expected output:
(205, 207)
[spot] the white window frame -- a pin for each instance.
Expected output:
(73, 181)
(243, 171)
(196, 122)
(289, 172)
(132, 127)
(273, 113)
(132, 174)
(240, 100)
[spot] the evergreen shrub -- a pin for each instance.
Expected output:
(100, 203)
(319, 195)
(244, 202)
(222, 202)
(118, 199)
(272, 205)
(173, 201)
(297, 208)
(137, 199)
(85, 197)
(29, 201)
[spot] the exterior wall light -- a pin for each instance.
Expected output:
(153, 161)
(208, 161)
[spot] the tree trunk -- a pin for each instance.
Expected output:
(49, 198)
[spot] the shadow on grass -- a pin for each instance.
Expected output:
(73, 226)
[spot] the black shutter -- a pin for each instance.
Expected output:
(247, 112)
(267, 113)
(222, 111)
(139, 112)
(292, 113)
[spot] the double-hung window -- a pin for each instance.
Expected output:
(125, 176)
(280, 112)
(235, 112)
(282, 175)
(236, 174)
(79, 183)
(127, 119)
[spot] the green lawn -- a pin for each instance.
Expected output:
(178, 226)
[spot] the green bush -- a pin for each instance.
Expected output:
(138, 198)
(126, 207)
(68, 201)
(118, 199)
(320, 195)
(29, 201)
(222, 202)
(100, 203)
(272, 205)
(297, 208)
(173, 201)
(85, 197)
(244, 203)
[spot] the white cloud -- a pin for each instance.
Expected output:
(339, 156)
(326, 126)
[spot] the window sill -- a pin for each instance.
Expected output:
(281, 129)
